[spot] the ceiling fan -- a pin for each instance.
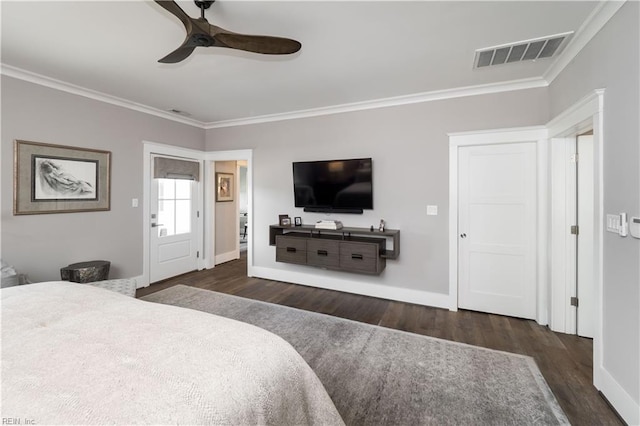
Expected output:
(201, 33)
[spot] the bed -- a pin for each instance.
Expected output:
(78, 354)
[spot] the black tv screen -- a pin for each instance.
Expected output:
(336, 185)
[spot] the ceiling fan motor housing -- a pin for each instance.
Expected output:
(203, 4)
(202, 40)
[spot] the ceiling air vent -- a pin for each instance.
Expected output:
(179, 112)
(527, 50)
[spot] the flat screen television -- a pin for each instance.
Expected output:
(340, 186)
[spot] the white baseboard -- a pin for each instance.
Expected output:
(624, 404)
(226, 257)
(408, 295)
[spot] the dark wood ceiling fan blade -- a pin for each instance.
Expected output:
(180, 54)
(258, 44)
(176, 10)
(201, 33)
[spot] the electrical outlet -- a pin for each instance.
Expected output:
(432, 210)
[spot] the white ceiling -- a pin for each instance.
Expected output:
(352, 52)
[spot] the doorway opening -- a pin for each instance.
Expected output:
(228, 221)
(578, 120)
(226, 211)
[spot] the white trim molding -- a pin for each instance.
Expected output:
(63, 86)
(572, 120)
(617, 396)
(603, 11)
(587, 113)
(536, 134)
(497, 136)
(408, 295)
(436, 95)
(227, 257)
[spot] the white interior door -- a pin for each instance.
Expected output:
(497, 229)
(585, 291)
(572, 265)
(173, 237)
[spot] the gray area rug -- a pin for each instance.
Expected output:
(381, 376)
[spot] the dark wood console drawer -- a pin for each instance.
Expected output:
(361, 257)
(291, 249)
(323, 253)
(357, 250)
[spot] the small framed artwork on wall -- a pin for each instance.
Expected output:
(224, 187)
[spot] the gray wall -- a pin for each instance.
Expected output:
(40, 245)
(617, 70)
(409, 147)
(226, 217)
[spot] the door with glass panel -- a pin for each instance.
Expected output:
(173, 208)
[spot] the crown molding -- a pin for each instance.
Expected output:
(529, 83)
(594, 23)
(597, 19)
(585, 107)
(436, 95)
(31, 77)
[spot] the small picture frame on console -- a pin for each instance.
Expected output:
(297, 221)
(284, 220)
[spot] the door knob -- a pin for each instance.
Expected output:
(153, 225)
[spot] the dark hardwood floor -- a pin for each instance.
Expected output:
(565, 360)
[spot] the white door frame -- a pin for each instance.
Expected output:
(172, 151)
(209, 201)
(588, 113)
(537, 134)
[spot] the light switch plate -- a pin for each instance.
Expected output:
(134, 202)
(432, 210)
(613, 223)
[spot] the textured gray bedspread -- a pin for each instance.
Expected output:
(77, 354)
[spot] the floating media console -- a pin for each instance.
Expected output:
(357, 250)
